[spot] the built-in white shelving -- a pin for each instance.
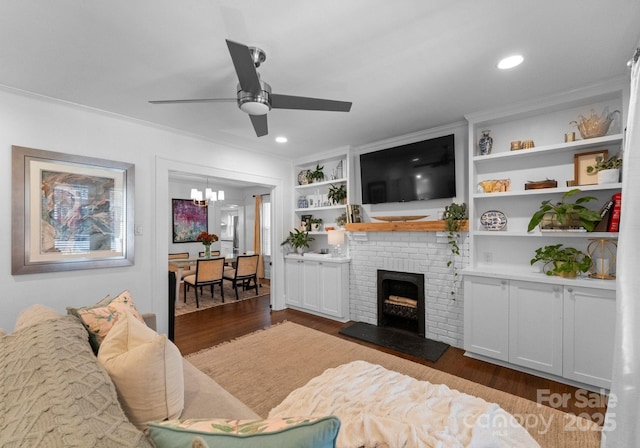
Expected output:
(503, 291)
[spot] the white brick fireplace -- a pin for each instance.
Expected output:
(417, 252)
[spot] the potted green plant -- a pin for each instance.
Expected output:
(315, 224)
(608, 170)
(337, 194)
(298, 239)
(316, 175)
(565, 262)
(565, 215)
(454, 216)
(341, 220)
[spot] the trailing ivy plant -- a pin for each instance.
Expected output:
(562, 261)
(455, 215)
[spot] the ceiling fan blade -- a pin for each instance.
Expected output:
(259, 123)
(245, 68)
(302, 102)
(196, 100)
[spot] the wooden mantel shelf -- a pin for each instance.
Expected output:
(401, 226)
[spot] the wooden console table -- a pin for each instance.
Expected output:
(401, 226)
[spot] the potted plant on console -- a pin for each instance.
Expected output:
(454, 216)
(565, 262)
(337, 194)
(608, 169)
(298, 240)
(565, 215)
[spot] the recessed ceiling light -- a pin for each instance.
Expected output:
(282, 139)
(510, 62)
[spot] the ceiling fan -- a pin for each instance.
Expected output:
(254, 96)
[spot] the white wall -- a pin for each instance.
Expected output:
(55, 126)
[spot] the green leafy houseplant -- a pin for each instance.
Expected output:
(341, 220)
(612, 163)
(563, 261)
(315, 223)
(337, 193)
(317, 174)
(566, 214)
(298, 239)
(454, 216)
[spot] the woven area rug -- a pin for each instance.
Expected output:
(207, 302)
(262, 368)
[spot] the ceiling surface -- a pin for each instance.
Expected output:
(407, 65)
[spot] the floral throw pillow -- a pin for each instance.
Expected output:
(98, 319)
(310, 432)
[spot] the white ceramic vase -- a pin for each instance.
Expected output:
(609, 176)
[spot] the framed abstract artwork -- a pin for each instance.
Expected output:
(70, 212)
(189, 219)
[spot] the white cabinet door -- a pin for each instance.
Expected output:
(293, 281)
(486, 317)
(589, 328)
(535, 326)
(334, 293)
(311, 285)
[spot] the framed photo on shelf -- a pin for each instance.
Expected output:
(70, 212)
(189, 220)
(583, 160)
(305, 222)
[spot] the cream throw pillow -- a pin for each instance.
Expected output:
(146, 369)
(34, 315)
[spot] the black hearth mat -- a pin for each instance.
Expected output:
(402, 341)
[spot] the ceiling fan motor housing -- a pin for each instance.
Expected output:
(255, 103)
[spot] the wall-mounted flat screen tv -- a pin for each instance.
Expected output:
(413, 172)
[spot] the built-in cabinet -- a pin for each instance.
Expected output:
(535, 326)
(318, 286)
(559, 330)
(588, 337)
(514, 313)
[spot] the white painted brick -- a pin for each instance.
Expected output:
(420, 252)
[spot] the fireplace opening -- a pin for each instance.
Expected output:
(401, 301)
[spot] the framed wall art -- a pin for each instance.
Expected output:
(189, 220)
(582, 161)
(70, 212)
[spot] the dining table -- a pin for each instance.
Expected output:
(181, 263)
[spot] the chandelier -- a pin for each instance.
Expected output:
(209, 195)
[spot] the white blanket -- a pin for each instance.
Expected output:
(381, 408)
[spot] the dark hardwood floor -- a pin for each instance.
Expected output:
(206, 328)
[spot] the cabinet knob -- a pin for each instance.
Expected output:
(503, 282)
(570, 290)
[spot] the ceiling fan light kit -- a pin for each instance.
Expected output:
(255, 103)
(254, 96)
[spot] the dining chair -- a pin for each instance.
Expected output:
(178, 256)
(246, 269)
(208, 272)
